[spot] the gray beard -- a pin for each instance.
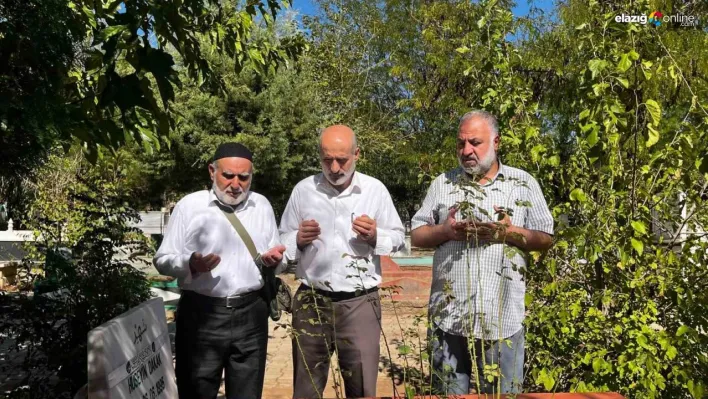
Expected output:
(342, 179)
(482, 166)
(227, 199)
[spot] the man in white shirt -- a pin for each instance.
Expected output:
(222, 317)
(337, 224)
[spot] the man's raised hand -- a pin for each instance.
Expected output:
(273, 256)
(203, 264)
(308, 231)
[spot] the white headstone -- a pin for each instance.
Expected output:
(130, 356)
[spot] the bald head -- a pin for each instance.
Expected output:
(338, 154)
(338, 135)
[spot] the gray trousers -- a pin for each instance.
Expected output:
(351, 327)
(452, 363)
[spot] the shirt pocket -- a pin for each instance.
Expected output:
(520, 208)
(441, 211)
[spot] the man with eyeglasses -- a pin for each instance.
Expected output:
(222, 317)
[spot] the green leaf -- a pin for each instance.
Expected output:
(536, 151)
(638, 246)
(654, 111)
(598, 364)
(623, 81)
(596, 66)
(702, 164)
(682, 330)
(642, 341)
(584, 114)
(599, 88)
(404, 350)
(653, 136)
(639, 227)
(90, 16)
(696, 389)
(578, 195)
(647, 74)
(546, 379)
(624, 63)
(554, 160)
(592, 137)
(111, 31)
(672, 72)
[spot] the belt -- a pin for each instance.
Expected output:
(336, 296)
(229, 302)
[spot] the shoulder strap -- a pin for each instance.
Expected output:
(238, 226)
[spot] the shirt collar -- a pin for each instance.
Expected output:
(322, 184)
(501, 172)
(214, 200)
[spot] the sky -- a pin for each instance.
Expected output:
(308, 7)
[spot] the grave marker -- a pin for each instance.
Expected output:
(130, 356)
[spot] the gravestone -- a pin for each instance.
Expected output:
(130, 356)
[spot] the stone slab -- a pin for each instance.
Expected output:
(130, 356)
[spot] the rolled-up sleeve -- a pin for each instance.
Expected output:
(426, 215)
(170, 258)
(390, 234)
(289, 226)
(538, 216)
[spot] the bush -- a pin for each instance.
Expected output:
(82, 223)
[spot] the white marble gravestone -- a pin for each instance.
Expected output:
(130, 356)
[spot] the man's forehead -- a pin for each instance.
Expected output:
(474, 124)
(472, 134)
(337, 149)
(234, 165)
(235, 171)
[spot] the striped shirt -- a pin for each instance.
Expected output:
(478, 288)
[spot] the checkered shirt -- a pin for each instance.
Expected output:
(478, 288)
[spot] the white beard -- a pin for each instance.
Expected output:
(483, 165)
(228, 199)
(342, 178)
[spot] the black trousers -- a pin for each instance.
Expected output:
(212, 337)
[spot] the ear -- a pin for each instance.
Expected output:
(497, 140)
(356, 154)
(212, 170)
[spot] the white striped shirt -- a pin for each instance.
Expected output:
(477, 290)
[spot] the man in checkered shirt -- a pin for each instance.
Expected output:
(482, 218)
